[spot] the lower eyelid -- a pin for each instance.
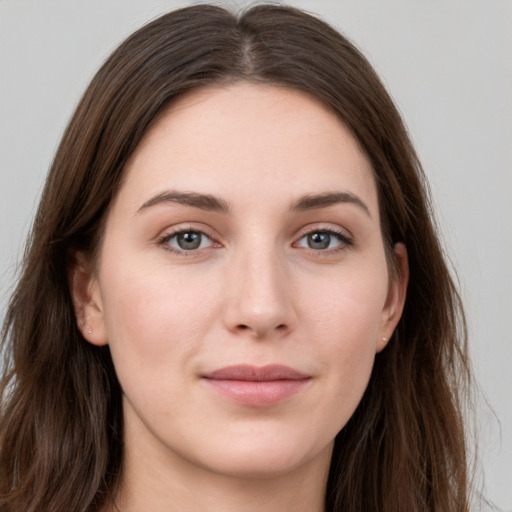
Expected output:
(345, 240)
(210, 240)
(342, 237)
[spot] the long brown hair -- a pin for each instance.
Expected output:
(61, 430)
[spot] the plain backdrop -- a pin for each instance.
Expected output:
(447, 64)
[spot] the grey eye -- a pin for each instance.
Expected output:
(319, 240)
(322, 240)
(189, 240)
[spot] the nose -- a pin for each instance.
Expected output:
(259, 296)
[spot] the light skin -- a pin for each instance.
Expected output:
(246, 231)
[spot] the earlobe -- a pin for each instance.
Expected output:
(84, 290)
(397, 292)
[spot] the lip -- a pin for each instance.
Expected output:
(255, 386)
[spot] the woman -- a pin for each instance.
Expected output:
(215, 310)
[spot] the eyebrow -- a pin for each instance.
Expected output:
(212, 203)
(310, 202)
(194, 199)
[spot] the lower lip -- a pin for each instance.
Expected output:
(256, 393)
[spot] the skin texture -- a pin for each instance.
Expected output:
(254, 292)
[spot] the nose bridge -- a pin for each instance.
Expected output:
(260, 299)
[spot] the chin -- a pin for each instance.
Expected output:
(265, 460)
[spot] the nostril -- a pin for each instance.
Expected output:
(244, 327)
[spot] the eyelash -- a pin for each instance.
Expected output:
(165, 239)
(346, 242)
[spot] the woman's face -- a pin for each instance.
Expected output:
(242, 283)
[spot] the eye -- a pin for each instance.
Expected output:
(323, 240)
(186, 241)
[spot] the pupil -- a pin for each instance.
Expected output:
(319, 240)
(190, 240)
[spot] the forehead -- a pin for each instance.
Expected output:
(247, 140)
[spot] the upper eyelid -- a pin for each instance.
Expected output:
(172, 234)
(164, 239)
(323, 226)
(183, 228)
(345, 238)
(213, 235)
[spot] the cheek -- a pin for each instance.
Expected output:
(153, 316)
(349, 305)
(349, 334)
(346, 316)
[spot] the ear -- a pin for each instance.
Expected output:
(85, 293)
(395, 299)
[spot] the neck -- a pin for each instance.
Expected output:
(163, 485)
(221, 496)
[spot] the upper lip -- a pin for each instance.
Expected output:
(247, 372)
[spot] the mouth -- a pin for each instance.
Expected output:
(256, 386)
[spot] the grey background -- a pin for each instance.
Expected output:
(448, 65)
